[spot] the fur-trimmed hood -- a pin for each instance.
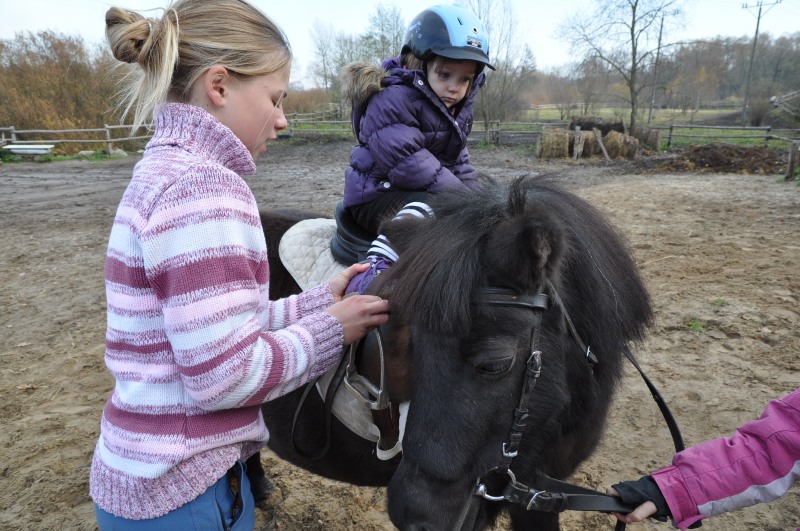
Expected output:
(360, 81)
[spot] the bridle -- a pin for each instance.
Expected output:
(548, 494)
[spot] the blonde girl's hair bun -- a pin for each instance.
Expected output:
(127, 33)
(166, 55)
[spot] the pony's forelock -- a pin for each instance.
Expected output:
(446, 269)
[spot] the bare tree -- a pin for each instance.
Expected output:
(625, 35)
(333, 50)
(322, 69)
(557, 89)
(385, 35)
(501, 97)
(592, 80)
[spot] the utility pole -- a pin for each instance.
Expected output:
(655, 66)
(759, 4)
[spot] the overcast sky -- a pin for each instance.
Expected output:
(537, 20)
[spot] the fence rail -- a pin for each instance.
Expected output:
(37, 136)
(324, 123)
(721, 133)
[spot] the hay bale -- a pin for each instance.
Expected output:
(621, 146)
(630, 147)
(648, 137)
(554, 144)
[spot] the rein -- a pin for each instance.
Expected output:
(552, 495)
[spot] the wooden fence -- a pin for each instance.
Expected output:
(300, 124)
(106, 134)
(702, 134)
(326, 123)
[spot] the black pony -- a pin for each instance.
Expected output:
(468, 286)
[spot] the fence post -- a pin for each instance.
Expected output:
(766, 136)
(669, 138)
(13, 135)
(792, 161)
(599, 137)
(108, 139)
(577, 143)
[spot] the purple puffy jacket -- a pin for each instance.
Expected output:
(407, 138)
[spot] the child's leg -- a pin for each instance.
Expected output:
(381, 248)
(381, 254)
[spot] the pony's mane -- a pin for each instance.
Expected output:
(445, 262)
(441, 263)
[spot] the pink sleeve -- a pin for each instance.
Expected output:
(758, 464)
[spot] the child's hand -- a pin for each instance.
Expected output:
(340, 282)
(358, 314)
(640, 514)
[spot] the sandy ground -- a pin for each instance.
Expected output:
(719, 253)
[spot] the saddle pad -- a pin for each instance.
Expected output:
(305, 251)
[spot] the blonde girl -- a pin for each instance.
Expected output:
(193, 341)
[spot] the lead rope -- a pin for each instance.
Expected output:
(672, 424)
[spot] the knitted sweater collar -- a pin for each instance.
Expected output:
(193, 129)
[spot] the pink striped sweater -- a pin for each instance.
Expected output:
(192, 339)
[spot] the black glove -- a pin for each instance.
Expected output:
(635, 493)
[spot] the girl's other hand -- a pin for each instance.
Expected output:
(358, 314)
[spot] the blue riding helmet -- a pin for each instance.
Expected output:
(450, 31)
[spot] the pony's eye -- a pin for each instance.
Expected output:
(495, 367)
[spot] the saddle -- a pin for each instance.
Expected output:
(351, 241)
(369, 391)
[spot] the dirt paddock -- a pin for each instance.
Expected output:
(719, 252)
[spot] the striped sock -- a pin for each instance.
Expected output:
(416, 209)
(381, 247)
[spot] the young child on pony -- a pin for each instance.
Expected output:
(193, 341)
(412, 116)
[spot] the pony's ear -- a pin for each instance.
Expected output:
(531, 244)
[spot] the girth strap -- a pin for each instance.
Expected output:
(332, 388)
